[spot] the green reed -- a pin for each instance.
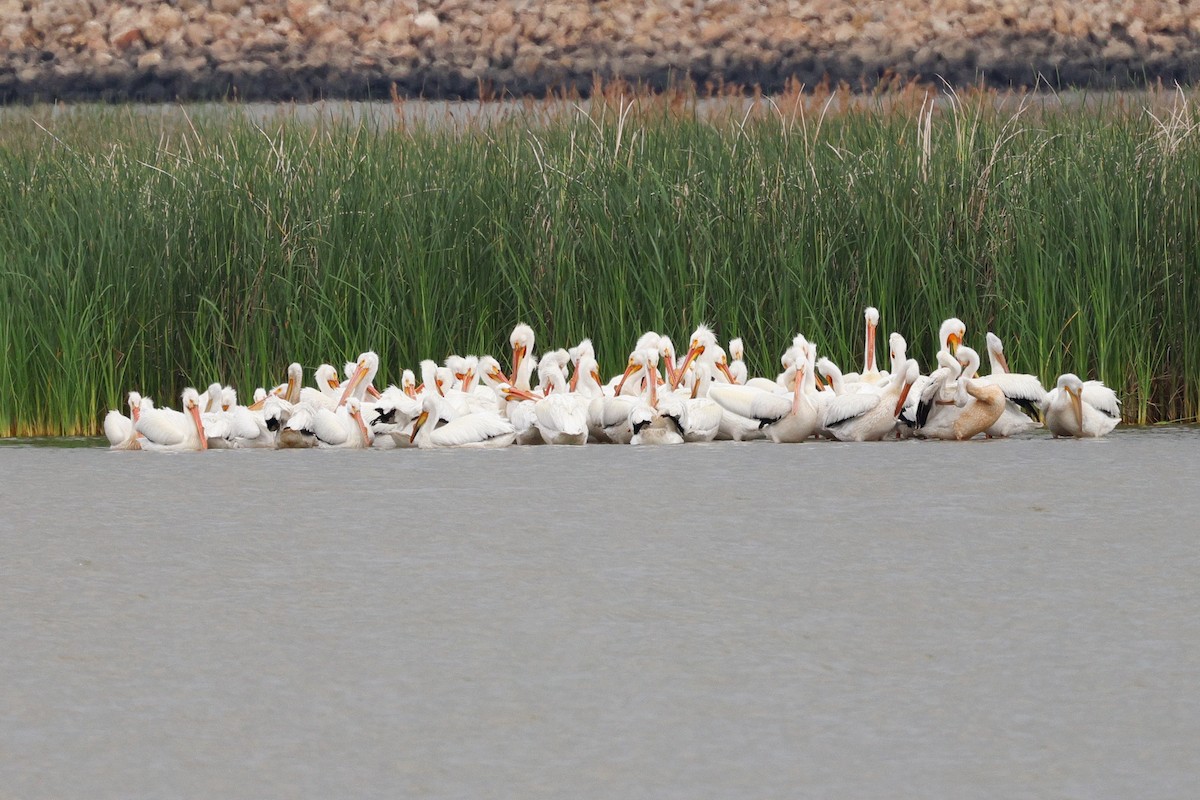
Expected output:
(150, 251)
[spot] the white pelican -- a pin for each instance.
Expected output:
(521, 340)
(655, 421)
(702, 416)
(329, 388)
(975, 407)
(120, 429)
(1081, 408)
(360, 379)
(782, 419)
(1024, 393)
(869, 374)
(578, 353)
(439, 426)
(561, 417)
(166, 429)
(737, 363)
(868, 417)
(344, 428)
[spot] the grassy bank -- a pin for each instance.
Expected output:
(156, 250)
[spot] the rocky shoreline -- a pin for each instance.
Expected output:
(304, 49)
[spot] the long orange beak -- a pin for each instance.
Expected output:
(574, 383)
(258, 404)
(411, 391)
(903, 398)
(1001, 360)
(417, 426)
(696, 350)
(360, 372)
(513, 393)
(518, 357)
(629, 370)
(954, 340)
(724, 367)
(869, 364)
(799, 390)
(362, 427)
(1077, 407)
(195, 412)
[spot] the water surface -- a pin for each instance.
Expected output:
(998, 619)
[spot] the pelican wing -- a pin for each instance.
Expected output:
(162, 426)
(703, 418)
(605, 411)
(849, 406)
(471, 429)
(930, 393)
(1025, 391)
(330, 427)
(561, 414)
(756, 404)
(1101, 398)
(118, 428)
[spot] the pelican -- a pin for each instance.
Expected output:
(360, 379)
(561, 417)
(1024, 393)
(166, 429)
(1081, 408)
(440, 426)
(344, 428)
(975, 407)
(737, 363)
(522, 340)
(578, 354)
(702, 416)
(120, 429)
(870, 374)
(782, 419)
(868, 417)
(328, 391)
(655, 420)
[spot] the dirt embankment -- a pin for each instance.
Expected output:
(304, 49)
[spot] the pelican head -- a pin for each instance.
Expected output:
(703, 341)
(898, 348)
(361, 375)
(228, 398)
(408, 381)
(191, 407)
(135, 406)
(327, 378)
(1073, 386)
(737, 350)
(995, 349)
(912, 371)
(521, 340)
(490, 372)
(951, 334)
(968, 359)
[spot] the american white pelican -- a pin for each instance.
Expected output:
(975, 407)
(561, 417)
(522, 340)
(439, 426)
(120, 429)
(343, 428)
(1024, 393)
(870, 373)
(166, 429)
(737, 363)
(578, 353)
(869, 417)
(1081, 408)
(328, 391)
(655, 420)
(702, 416)
(783, 419)
(360, 379)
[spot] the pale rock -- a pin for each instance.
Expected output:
(427, 21)
(149, 60)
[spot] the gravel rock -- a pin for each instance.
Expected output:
(307, 49)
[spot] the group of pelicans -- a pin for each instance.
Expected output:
(659, 398)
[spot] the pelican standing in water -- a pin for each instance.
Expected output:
(1077, 408)
(868, 417)
(166, 429)
(120, 429)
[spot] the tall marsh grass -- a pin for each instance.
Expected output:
(156, 250)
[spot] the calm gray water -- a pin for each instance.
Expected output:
(1001, 619)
